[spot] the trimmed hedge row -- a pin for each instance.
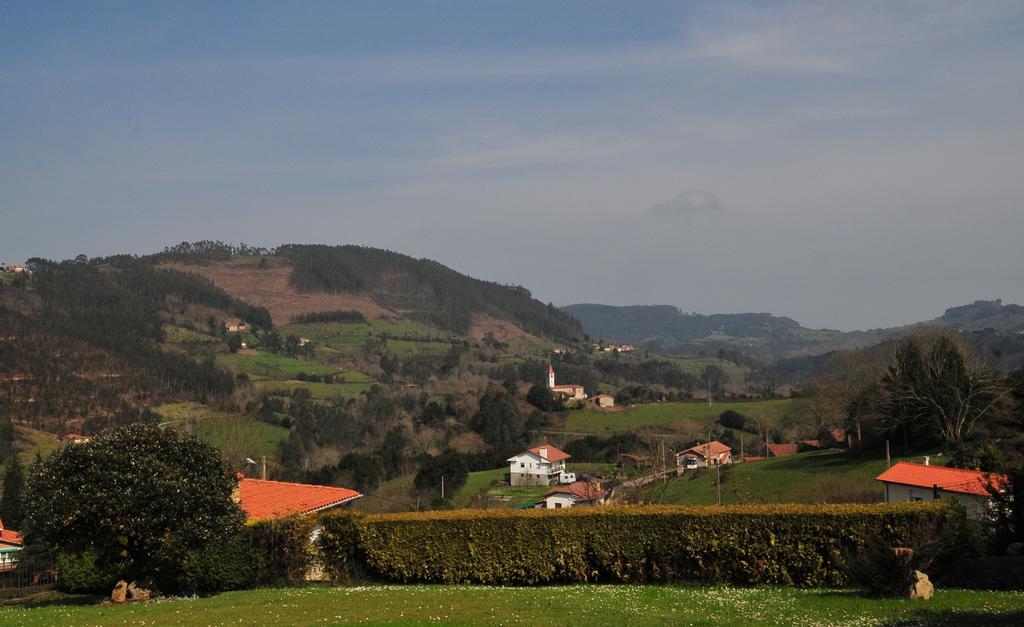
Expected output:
(799, 545)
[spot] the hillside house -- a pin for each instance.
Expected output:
(604, 400)
(569, 391)
(628, 460)
(10, 547)
(577, 493)
(782, 450)
(261, 499)
(907, 482)
(704, 455)
(235, 326)
(540, 465)
(75, 438)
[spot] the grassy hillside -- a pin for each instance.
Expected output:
(236, 435)
(832, 476)
(671, 416)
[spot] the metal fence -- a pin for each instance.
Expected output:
(22, 575)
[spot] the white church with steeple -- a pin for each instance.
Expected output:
(569, 391)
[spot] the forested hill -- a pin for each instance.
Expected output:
(423, 289)
(639, 323)
(996, 327)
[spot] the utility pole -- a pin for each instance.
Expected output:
(263, 472)
(442, 487)
(888, 462)
(741, 447)
(718, 468)
(709, 391)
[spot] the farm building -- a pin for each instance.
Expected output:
(907, 482)
(604, 400)
(781, 450)
(10, 546)
(578, 493)
(540, 465)
(712, 453)
(628, 460)
(235, 326)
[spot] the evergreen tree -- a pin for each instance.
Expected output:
(12, 510)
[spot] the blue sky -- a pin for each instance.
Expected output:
(851, 165)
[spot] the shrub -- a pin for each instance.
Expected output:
(284, 552)
(798, 545)
(229, 565)
(85, 572)
(338, 544)
(880, 570)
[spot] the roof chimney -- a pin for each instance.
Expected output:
(925, 460)
(543, 452)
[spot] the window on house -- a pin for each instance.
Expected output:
(558, 506)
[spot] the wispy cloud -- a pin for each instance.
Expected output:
(688, 204)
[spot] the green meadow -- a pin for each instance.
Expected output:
(670, 416)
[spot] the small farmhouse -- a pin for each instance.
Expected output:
(781, 450)
(906, 482)
(704, 455)
(577, 493)
(75, 438)
(604, 400)
(570, 391)
(540, 465)
(10, 546)
(235, 326)
(261, 499)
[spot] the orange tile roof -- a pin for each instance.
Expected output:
(581, 489)
(261, 499)
(779, 450)
(948, 479)
(712, 449)
(9, 536)
(554, 454)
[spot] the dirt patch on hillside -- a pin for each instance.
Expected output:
(503, 330)
(269, 287)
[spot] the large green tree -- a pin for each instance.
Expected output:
(145, 499)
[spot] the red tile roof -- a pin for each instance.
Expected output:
(948, 479)
(261, 499)
(9, 536)
(779, 450)
(710, 450)
(582, 490)
(554, 455)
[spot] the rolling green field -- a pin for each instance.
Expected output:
(831, 475)
(696, 365)
(236, 435)
(350, 336)
(181, 335)
(272, 366)
(668, 416)
(554, 605)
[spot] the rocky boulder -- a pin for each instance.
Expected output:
(120, 592)
(920, 586)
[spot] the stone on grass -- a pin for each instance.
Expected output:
(137, 591)
(120, 592)
(920, 586)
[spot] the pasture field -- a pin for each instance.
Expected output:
(671, 416)
(318, 390)
(696, 365)
(181, 335)
(236, 435)
(272, 366)
(555, 605)
(832, 475)
(28, 442)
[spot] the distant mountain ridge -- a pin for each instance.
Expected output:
(771, 337)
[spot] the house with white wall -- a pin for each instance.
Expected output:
(577, 493)
(704, 455)
(540, 465)
(906, 482)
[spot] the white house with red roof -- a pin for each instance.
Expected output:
(907, 482)
(704, 455)
(10, 546)
(540, 465)
(261, 499)
(577, 493)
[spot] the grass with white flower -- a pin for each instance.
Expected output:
(555, 605)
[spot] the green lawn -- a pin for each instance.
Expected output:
(555, 605)
(806, 477)
(272, 366)
(236, 435)
(348, 336)
(668, 416)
